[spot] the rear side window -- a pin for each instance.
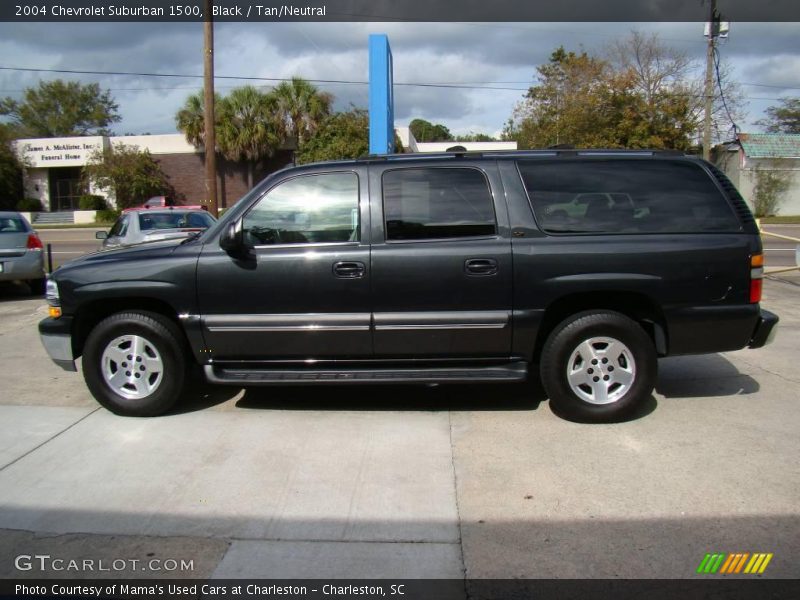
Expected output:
(625, 196)
(150, 221)
(13, 225)
(201, 220)
(437, 203)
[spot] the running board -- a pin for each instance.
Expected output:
(516, 371)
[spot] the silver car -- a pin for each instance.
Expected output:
(137, 226)
(21, 252)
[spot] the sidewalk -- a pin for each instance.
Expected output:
(404, 482)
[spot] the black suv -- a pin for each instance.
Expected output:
(458, 267)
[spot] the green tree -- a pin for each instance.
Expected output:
(476, 137)
(249, 129)
(11, 190)
(643, 94)
(61, 108)
(190, 119)
(425, 131)
(771, 185)
(132, 175)
(664, 104)
(571, 105)
(341, 135)
(783, 118)
(301, 108)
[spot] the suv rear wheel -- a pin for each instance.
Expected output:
(598, 366)
(134, 365)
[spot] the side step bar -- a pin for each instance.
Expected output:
(516, 371)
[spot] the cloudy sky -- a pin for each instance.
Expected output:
(764, 57)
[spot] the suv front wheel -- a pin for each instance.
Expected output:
(134, 364)
(598, 366)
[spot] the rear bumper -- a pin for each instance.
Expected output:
(765, 330)
(57, 341)
(26, 267)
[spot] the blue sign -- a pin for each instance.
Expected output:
(381, 96)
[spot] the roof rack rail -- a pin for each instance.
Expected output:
(456, 152)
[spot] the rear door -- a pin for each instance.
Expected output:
(441, 261)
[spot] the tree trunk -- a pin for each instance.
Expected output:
(250, 169)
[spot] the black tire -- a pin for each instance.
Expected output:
(561, 352)
(166, 340)
(37, 286)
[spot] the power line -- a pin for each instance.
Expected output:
(169, 89)
(250, 78)
(473, 85)
(722, 92)
(780, 87)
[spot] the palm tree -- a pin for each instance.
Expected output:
(191, 118)
(248, 129)
(301, 108)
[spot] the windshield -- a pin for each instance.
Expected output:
(174, 220)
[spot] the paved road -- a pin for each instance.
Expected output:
(71, 243)
(780, 252)
(406, 481)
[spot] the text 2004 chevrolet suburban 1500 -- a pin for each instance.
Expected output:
(456, 267)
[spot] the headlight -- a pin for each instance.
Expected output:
(53, 299)
(51, 293)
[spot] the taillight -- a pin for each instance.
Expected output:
(756, 277)
(34, 243)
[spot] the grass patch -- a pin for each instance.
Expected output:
(787, 220)
(71, 225)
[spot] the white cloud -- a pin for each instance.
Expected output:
(423, 52)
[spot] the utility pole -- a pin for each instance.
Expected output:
(208, 110)
(713, 31)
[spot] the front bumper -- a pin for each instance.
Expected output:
(765, 330)
(56, 338)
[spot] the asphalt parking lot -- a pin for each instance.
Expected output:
(476, 481)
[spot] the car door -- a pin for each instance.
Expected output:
(304, 293)
(441, 261)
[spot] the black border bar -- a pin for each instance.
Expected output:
(702, 587)
(262, 11)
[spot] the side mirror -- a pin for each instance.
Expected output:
(101, 235)
(232, 240)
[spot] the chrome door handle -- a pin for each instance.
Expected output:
(480, 266)
(349, 270)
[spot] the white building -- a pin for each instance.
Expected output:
(410, 144)
(771, 152)
(54, 165)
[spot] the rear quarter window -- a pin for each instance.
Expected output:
(202, 220)
(13, 225)
(605, 196)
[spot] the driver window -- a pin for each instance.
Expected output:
(310, 209)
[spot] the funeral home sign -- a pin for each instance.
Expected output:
(59, 152)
